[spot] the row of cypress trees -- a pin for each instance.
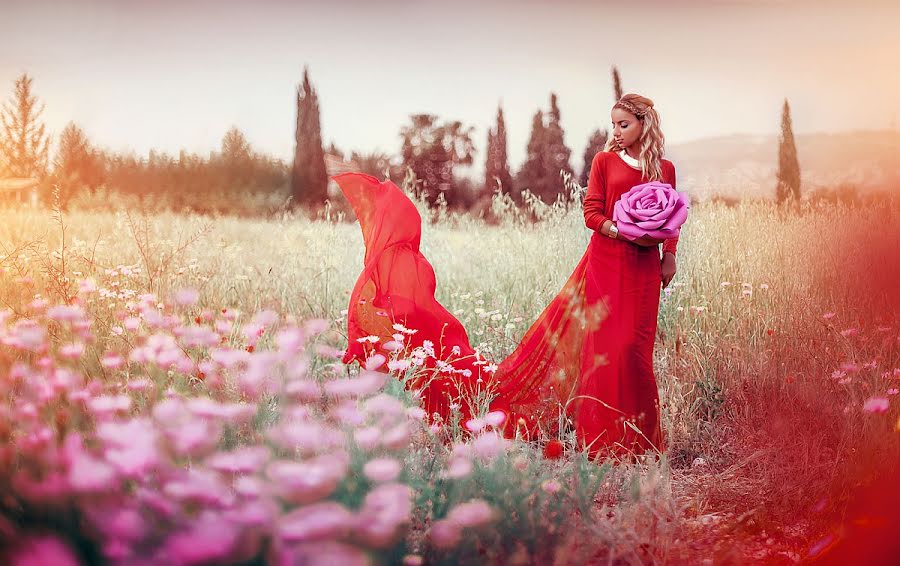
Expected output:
(546, 154)
(24, 152)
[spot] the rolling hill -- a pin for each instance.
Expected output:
(744, 166)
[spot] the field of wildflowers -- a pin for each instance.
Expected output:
(172, 394)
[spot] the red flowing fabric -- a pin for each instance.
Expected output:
(587, 359)
(397, 286)
(591, 352)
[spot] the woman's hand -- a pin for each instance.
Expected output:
(646, 241)
(667, 268)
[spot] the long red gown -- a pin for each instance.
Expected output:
(589, 354)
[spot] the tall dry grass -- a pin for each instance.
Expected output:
(778, 332)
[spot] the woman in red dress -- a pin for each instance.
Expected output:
(587, 359)
(591, 350)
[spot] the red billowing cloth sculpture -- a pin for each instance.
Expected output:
(588, 354)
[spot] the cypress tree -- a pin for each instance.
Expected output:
(532, 174)
(617, 84)
(788, 181)
(490, 167)
(556, 154)
(496, 162)
(595, 144)
(309, 179)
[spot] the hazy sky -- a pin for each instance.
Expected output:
(173, 74)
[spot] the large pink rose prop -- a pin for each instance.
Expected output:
(651, 209)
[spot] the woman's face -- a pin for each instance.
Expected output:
(626, 127)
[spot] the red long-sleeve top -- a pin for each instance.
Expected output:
(610, 177)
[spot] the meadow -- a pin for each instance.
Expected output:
(172, 393)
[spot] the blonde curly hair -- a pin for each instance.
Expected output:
(652, 141)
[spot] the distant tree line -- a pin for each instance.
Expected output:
(431, 149)
(186, 180)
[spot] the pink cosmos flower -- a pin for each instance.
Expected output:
(232, 413)
(131, 446)
(87, 286)
(253, 513)
(495, 418)
(209, 540)
(199, 486)
(384, 405)
(475, 425)
(245, 460)
(308, 481)
(849, 367)
(348, 413)
(473, 513)
(123, 523)
(367, 383)
(458, 467)
(315, 326)
(259, 376)
(290, 340)
(303, 389)
(111, 360)
(196, 336)
(105, 405)
(65, 313)
(223, 327)
(71, 351)
(325, 552)
(375, 361)
(38, 305)
(399, 365)
(397, 437)
(416, 413)
(265, 318)
(252, 332)
(26, 335)
(488, 445)
(305, 437)
(876, 405)
(194, 436)
(382, 470)
(251, 487)
(367, 438)
(383, 514)
(186, 297)
(140, 384)
(41, 550)
(86, 473)
(551, 486)
(652, 209)
(444, 534)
